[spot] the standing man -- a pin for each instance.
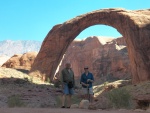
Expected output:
(86, 80)
(68, 84)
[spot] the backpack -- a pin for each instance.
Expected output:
(70, 85)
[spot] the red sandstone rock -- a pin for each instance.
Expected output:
(133, 25)
(21, 61)
(13, 62)
(27, 59)
(105, 57)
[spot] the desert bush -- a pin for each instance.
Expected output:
(57, 84)
(120, 98)
(48, 80)
(14, 101)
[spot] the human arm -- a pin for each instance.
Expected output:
(73, 80)
(83, 82)
(91, 79)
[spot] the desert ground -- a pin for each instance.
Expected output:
(35, 96)
(59, 110)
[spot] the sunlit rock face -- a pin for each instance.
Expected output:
(106, 58)
(13, 62)
(133, 25)
(3, 59)
(20, 61)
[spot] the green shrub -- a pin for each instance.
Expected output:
(48, 80)
(57, 84)
(14, 101)
(120, 98)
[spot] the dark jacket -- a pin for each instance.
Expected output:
(67, 76)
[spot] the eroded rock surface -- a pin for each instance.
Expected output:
(133, 25)
(20, 61)
(107, 58)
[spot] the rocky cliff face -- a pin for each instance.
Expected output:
(107, 58)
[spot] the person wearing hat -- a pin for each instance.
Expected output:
(86, 80)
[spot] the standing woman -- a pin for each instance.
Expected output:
(86, 80)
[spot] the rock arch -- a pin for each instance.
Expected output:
(133, 25)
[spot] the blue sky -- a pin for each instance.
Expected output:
(33, 19)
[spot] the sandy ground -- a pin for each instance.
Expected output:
(60, 110)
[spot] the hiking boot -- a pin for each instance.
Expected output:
(63, 107)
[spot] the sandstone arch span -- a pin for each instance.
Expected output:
(133, 25)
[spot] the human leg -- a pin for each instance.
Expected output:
(65, 93)
(91, 95)
(91, 98)
(85, 93)
(63, 100)
(68, 101)
(71, 92)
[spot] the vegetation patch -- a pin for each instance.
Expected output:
(15, 101)
(120, 98)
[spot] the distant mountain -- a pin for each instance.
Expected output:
(10, 47)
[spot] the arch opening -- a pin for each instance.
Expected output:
(99, 30)
(106, 56)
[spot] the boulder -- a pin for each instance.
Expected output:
(13, 62)
(20, 61)
(84, 104)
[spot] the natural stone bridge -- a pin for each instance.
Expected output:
(133, 25)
